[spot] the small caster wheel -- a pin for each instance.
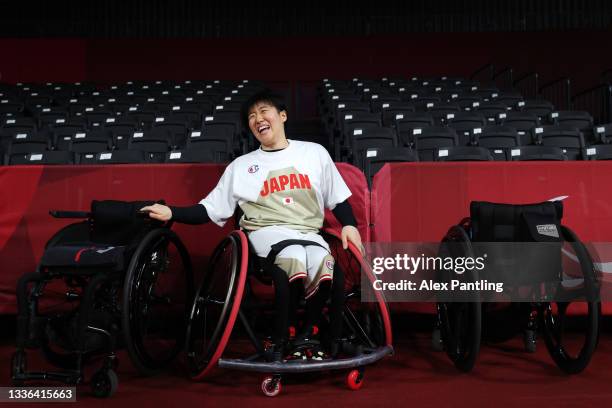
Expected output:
(529, 340)
(436, 340)
(271, 386)
(354, 379)
(104, 383)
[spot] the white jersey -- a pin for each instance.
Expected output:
(291, 188)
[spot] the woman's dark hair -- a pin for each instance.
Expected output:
(265, 95)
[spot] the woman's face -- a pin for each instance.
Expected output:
(267, 124)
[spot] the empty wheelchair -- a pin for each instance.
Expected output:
(232, 291)
(549, 282)
(115, 279)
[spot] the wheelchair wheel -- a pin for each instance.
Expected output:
(216, 304)
(366, 315)
(571, 350)
(460, 322)
(157, 293)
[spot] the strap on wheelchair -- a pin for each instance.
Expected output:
(279, 246)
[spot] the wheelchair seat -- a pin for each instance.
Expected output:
(85, 256)
(106, 240)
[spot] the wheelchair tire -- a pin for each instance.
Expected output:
(552, 317)
(460, 323)
(104, 383)
(368, 319)
(216, 304)
(153, 342)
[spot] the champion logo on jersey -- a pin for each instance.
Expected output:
(288, 200)
(254, 168)
(329, 264)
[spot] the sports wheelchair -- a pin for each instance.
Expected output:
(232, 290)
(115, 279)
(525, 244)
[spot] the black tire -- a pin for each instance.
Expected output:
(553, 316)
(460, 322)
(104, 383)
(363, 320)
(460, 327)
(154, 341)
(436, 340)
(212, 305)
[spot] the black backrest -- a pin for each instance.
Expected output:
(119, 222)
(495, 222)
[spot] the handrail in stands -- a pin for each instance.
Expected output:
(509, 71)
(489, 66)
(559, 87)
(527, 91)
(597, 101)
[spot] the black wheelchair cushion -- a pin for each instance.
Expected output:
(85, 255)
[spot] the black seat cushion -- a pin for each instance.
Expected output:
(85, 255)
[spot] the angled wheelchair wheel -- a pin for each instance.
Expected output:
(572, 342)
(157, 294)
(216, 304)
(460, 323)
(366, 315)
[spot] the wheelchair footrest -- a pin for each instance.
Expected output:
(301, 366)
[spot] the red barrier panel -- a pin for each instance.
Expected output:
(29, 192)
(420, 201)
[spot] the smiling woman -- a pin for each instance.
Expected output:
(282, 189)
(265, 115)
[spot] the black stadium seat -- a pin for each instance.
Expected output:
(463, 153)
(528, 153)
(47, 157)
(498, 139)
(568, 138)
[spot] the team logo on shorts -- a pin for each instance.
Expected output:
(329, 264)
(254, 169)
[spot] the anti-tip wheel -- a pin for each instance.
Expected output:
(271, 386)
(104, 383)
(354, 380)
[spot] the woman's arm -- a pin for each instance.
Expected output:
(194, 215)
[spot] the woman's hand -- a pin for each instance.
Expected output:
(158, 212)
(350, 233)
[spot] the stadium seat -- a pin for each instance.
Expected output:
(568, 138)
(498, 139)
(547, 153)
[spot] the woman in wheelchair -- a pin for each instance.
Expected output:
(282, 188)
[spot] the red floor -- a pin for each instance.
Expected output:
(415, 376)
